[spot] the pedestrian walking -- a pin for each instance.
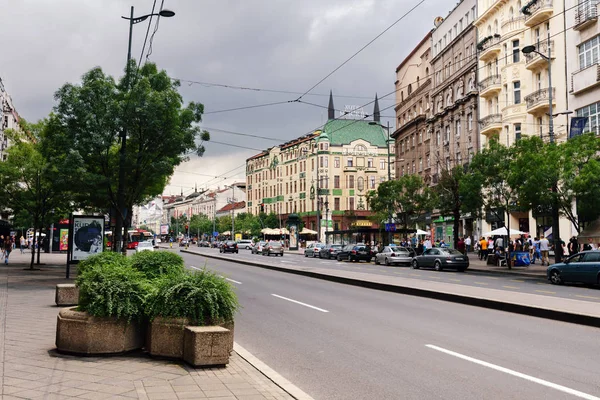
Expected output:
(427, 245)
(6, 250)
(468, 243)
(461, 246)
(573, 246)
(483, 248)
(544, 249)
(22, 244)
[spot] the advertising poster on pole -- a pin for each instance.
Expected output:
(64, 240)
(164, 229)
(86, 240)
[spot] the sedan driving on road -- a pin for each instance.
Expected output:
(229, 247)
(582, 267)
(355, 252)
(330, 251)
(441, 258)
(257, 247)
(144, 246)
(273, 247)
(394, 255)
(313, 249)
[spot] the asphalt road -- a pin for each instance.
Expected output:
(336, 341)
(539, 286)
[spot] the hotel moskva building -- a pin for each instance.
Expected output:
(324, 176)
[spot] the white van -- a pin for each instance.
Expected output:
(244, 244)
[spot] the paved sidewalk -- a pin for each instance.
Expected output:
(30, 367)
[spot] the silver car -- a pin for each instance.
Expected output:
(273, 247)
(313, 250)
(258, 247)
(394, 255)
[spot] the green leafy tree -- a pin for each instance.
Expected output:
(31, 182)
(84, 139)
(248, 224)
(406, 197)
(200, 223)
(271, 220)
(178, 224)
(488, 184)
(224, 224)
(448, 196)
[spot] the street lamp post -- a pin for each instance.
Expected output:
(555, 211)
(123, 151)
(389, 172)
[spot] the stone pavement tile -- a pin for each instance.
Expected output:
(12, 389)
(133, 394)
(191, 395)
(186, 388)
(162, 396)
(30, 394)
(166, 388)
(239, 385)
(245, 392)
(73, 392)
(97, 387)
(183, 381)
(217, 393)
(97, 396)
(213, 386)
(118, 382)
(250, 397)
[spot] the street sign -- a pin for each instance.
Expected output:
(390, 227)
(577, 126)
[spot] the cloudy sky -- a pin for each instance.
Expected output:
(280, 45)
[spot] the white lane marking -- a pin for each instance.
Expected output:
(530, 378)
(227, 279)
(299, 302)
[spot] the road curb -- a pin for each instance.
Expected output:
(557, 315)
(272, 375)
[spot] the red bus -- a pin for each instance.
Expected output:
(137, 235)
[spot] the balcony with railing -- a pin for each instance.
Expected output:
(538, 12)
(539, 101)
(490, 86)
(586, 14)
(585, 79)
(489, 48)
(513, 24)
(534, 61)
(490, 124)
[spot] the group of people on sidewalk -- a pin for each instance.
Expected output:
(8, 244)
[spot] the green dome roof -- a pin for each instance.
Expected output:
(323, 136)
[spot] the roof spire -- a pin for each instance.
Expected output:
(182, 191)
(376, 113)
(196, 188)
(330, 109)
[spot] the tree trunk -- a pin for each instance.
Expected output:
(456, 215)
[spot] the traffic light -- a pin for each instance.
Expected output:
(186, 228)
(262, 207)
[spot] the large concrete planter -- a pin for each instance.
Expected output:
(165, 337)
(79, 333)
(229, 325)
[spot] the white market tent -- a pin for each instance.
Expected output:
(422, 232)
(502, 232)
(306, 231)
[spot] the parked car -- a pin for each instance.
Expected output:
(258, 247)
(330, 251)
(245, 244)
(394, 255)
(582, 267)
(229, 247)
(144, 246)
(440, 258)
(272, 247)
(355, 252)
(312, 250)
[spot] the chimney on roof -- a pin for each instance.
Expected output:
(376, 113)
(330, 109)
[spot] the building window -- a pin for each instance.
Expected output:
(593, 113)
(336, 182)
(350, 162)
(516, 51)
(351, 203)
(540, 127)
(517, 132)
(381, 164)
(437, 137)
(458, 158)
(336, 203)
(369, 163)
(588, 52)
(470, 121)
(517, 92)
(447, 136)
(336, 162)
(350, 181)
(372, 181)
(457, 133)
(420, 164)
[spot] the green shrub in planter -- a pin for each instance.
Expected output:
(100, 260)
(156, 263)
(202, 296)
(110, 287)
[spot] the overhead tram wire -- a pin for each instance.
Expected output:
(147, 32)
(242, 134)
(221, 85)
(362, 48)
(162, 3)
(248, 107)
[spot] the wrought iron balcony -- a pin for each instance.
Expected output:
(586, 14)
(490, 85)
(539, 100)
(534, 60)
(538, 12)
